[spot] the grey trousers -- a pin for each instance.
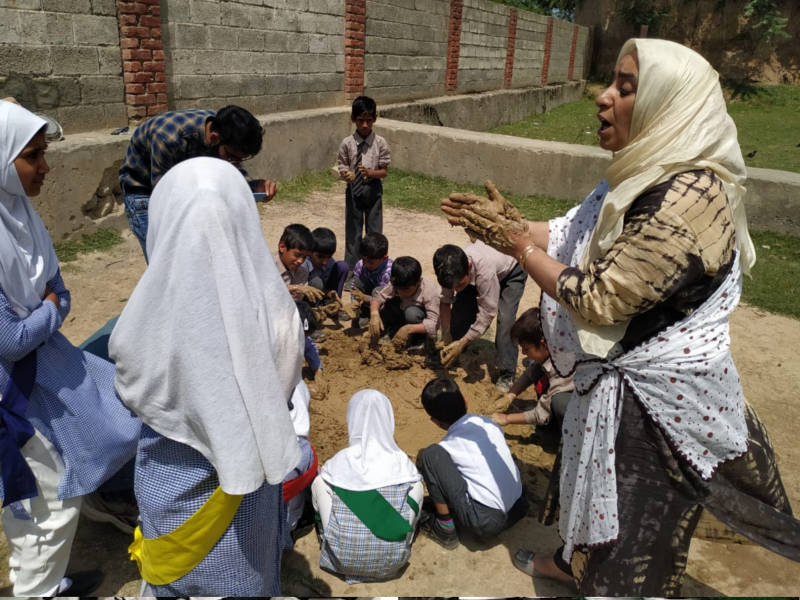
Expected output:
(447, 486)
(358, 220)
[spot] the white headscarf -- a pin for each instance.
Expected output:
(27, 259)
(373, 459)
(679, 123)
(209, 347)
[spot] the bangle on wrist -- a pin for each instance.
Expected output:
(523, 256)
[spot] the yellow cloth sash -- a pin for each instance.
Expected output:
(169, 557)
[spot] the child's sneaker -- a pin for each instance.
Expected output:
(429, 527)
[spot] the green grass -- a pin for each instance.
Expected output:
(298, 188)
(775, 281)
(412, 191)
(102, 239)
(767, 120)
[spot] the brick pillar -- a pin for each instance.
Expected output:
(453, 46)
(142, 58)
(512, 40)
(355, 20)
(572, 51)
(548, 43)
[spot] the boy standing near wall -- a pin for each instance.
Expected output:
(363, 161)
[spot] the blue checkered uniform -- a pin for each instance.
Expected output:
(172, 481)
(349, 548)
(73, 403)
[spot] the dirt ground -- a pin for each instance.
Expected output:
(763, 348)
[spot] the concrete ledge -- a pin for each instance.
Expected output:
(479, 112)
(81, 193)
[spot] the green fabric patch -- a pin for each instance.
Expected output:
(380, 517)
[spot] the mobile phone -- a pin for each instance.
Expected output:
(260, 196)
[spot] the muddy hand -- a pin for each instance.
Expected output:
(318, 388)
(400, 338)
(492, 219)
(359, 296)
(503, 401)
(375, 325)
(451, 352)
(311, 293)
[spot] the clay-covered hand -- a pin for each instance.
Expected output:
(334, 304)
(503, 401)
(494, 219)
(359, 296)
(318, 387)
(349, 176)
(311, 293)
(451, 352)
(400, 338)
(364, 172)
(375, 325)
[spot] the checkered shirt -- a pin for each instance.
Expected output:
(350, 548)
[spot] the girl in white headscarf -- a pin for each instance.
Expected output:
(63, 430)
(208, 351)
(367, 496)
(638, 282)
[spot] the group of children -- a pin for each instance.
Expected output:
(368, 498)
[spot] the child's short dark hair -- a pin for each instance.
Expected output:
(528, 328)
(406, 271)
(373, 245)
(238, 128)
(361, 105)
(450, 263)
(443, 401)
(297, 237)
(324, 241)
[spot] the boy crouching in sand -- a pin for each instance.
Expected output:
(470, 474)
(408, 308)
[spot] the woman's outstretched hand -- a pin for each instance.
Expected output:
(494, 220)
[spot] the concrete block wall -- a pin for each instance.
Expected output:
(62, 58)
(560, 51)
(529, 49)
(266, 56)
(484, 39)
(406, 47)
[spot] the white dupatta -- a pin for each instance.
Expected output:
(209, 347)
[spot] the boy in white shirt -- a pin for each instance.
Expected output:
(470, 474)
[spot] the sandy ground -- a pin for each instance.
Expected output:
(763, 348)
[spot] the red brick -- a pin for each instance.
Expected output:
(160, 76)
(134, 32)
(137, 54)
(149, 21)
(134, 88)
(161, 98)
(156, 87)
(158, 55)
(128, 42)
(131, 66)
(155, 10)
(126, 19)
(136, 8)
(155, 32)
(152, 44)
(154, 65)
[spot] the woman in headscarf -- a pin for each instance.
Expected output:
(639, 281)
(208, 351)
(367, 496)
(63, 432)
